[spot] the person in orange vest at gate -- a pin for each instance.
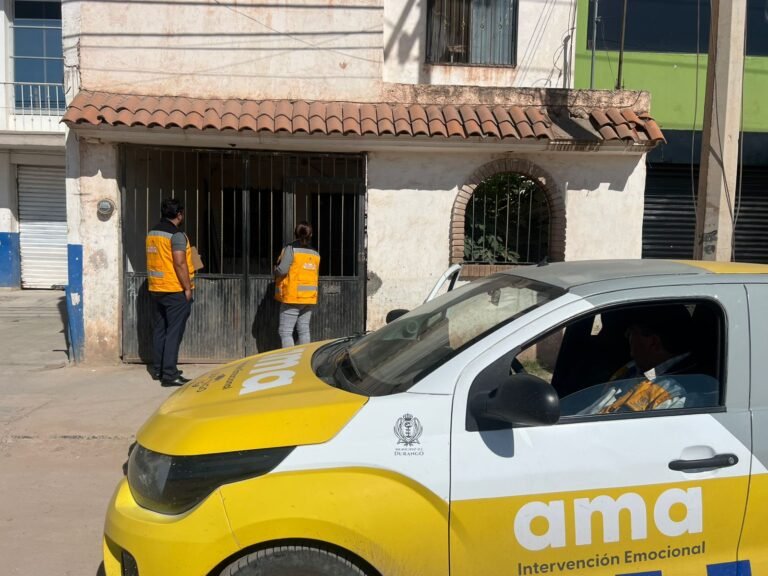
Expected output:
(296, 282)
(171, 282)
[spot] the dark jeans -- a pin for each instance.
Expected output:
(170, 311)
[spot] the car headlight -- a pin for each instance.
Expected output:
(175, 484)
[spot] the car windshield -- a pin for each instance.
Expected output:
(395, 357)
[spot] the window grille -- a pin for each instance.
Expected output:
(506, 222)
(474, 32)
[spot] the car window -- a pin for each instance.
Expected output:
(395, 357)
(631, 359)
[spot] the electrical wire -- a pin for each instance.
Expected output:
(740, 181)
(696, 114)
(291, 36)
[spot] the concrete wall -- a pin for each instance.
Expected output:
(545, 48)
(671, 78)
(94, 298)
(410, 198)
(10, 255)
(301, 50)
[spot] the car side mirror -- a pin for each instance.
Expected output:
(393, 315)
(518, 399)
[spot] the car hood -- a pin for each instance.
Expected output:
(264, 401)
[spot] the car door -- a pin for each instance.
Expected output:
(753, 549)
(612, 494)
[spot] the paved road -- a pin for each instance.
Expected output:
(64, 436)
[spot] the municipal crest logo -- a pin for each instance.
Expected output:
(408, 429)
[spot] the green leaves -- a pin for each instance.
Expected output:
(506, 217)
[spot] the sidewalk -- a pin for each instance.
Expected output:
(64, 436)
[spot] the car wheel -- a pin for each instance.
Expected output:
(293, 561)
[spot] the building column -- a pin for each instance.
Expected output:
(95, 250)
(10, 251)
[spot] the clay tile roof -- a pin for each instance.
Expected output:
(351, 122)
(368, 123)
(505, 123)
(284, 116)
(453, 122)
(300, 116)
(266, 117)
(632, 118)
(436, 121)
(652, 129)
(402, 120)
(626, 125)
(385, 118)
(317, 118)
(358, 119)
(248, 115)
(487, 121)
(176, 119)
(333, 118)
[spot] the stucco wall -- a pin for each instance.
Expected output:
(8, 204)
(545, 47)
(411, 196)
(101, 257)
(300, 50)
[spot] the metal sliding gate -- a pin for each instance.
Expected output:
(240, 210)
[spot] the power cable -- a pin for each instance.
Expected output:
(695, 115)
(291, 36)
(740, 183)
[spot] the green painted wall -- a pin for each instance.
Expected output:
(671, 80)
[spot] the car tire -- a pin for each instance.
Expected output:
(293, 561)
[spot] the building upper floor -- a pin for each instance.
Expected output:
(665, 53)
(31, 66)
(348, 50)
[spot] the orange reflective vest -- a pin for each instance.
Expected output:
(299, 286)
(162, 274)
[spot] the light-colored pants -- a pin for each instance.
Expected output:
(294, 316)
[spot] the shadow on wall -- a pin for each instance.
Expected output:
(144, 323)
(555, 102)
(61, 305)
(265, 322)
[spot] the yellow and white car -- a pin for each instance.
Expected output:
(459, 440)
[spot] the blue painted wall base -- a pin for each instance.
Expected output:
(10, 260)
(75, 318)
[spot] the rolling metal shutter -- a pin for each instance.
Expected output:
(42, 226)
(669, 220)
(752, 217)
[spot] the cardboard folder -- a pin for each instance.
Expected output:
(197, 262)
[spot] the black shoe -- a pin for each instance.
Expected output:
(159, 376)
(178, 381)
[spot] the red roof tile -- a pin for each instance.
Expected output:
(349, 118)
(624, 124)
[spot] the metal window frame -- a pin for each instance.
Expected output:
(514, 24)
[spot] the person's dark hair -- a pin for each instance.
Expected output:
(671, 323)
(170, 208)
(303, 232)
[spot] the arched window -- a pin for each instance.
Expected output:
(507, 221)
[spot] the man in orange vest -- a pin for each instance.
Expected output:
(296, 280)
(659, 344)
(171, 281)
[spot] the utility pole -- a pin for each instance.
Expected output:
(716, 202)
(595, 20)
(619, 79)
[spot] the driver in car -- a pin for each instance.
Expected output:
(659, 344)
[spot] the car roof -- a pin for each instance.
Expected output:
(610, 274)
